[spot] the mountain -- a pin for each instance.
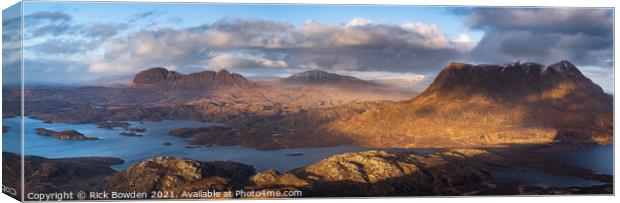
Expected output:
(525, 82)
(161, 78)
(319, 77)
(475, 105)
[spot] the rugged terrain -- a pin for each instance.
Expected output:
(473, 105)
(465, 106)
(360, 174)
(44, 175)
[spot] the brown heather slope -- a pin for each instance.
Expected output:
(474, 105)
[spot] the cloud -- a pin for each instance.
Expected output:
(145, 15)
(357, 45)
(50, 29)
(544, 35)
(47, 23)
(63, 46)
(56, 34)
(104, 30)
(598, 22)
(358, 22)
(49, 16)
(231, 61)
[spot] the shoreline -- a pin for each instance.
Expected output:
(477, 161)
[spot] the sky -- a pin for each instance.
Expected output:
(85, 42)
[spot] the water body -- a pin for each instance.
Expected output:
(540, 178)
(134, 149)
(599, 159)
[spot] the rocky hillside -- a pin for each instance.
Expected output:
(359, 174)
(178, 174)
(371, 173)
(163, 79)
(381, 173)
(472, 105)
(44, 175)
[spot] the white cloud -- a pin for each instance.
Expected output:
(232, 61)
(358, 22)
(463, 38)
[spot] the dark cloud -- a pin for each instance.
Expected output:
(591, 21)
(545, 35)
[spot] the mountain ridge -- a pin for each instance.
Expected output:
(510, 81)
(162, 78)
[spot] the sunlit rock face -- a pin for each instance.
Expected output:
(474, 105)
(514, 82)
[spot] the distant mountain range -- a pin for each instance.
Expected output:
(319, 77)
(161, 78)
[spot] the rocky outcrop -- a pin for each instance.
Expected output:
(163, 79)
(44, 175)
(64, 135)
(157, 78)
(380, 173)
(179, 175)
